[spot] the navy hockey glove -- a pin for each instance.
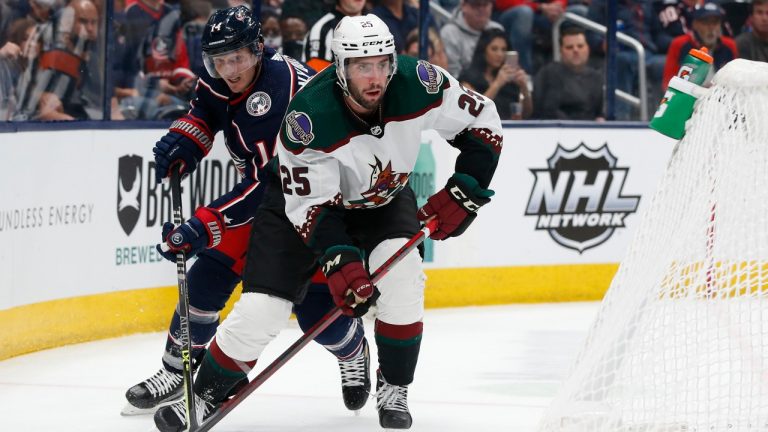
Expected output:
(455, 206)
(175, 149)
(203, 230)
(343, 267)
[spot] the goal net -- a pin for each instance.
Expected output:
(680, 342)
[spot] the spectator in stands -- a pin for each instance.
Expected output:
(754, 45)
(14, 57)
(317, 46)
(169, 82)
(10, 11)
(194, 14)
(400, 18)
(449, 5)
(707, 21)
(270, 28)
(64, 69)
(569, 89)
(154, 62)
(461, 34)
(47, 16)
(488, 74)
(246, 3)
(16, 36)
(634, 18)
(521, 17)
(435, 49)
(294, 30)
(672, 18)
(309, 10)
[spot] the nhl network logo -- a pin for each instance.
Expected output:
(129, 191)
(578, 197)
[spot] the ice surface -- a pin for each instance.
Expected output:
(481, 369)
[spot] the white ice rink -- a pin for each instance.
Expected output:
(481, 369)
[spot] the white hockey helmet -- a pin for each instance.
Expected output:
(361, 36)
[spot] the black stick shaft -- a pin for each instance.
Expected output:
(186, 339)
(316, 329)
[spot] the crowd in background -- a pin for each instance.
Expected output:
(54, 53)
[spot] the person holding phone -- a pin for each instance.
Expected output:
(496, 73)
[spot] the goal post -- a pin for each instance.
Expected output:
(680, 342)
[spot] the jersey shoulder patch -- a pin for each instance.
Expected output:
(421, 81)
(315, 118)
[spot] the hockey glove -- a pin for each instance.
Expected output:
(455, 206)
(203, 230)
(347, 277)
(175, 149)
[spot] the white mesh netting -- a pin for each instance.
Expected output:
(681, 339)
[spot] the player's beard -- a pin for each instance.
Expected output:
(360, 98)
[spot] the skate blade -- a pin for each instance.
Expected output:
(130, 410)
(357, 413)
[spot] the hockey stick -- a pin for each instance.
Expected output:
(181, 274)
(315, 330)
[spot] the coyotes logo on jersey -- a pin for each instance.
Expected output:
(385, 184)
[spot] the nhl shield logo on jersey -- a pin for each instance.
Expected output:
(578, 198)
(385, 183)
(429, 77)
(258, 104)
(299, 128)
(129, 191)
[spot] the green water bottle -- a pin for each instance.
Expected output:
(423, 184)
(675, 109)
(676, 106)
(696, 66)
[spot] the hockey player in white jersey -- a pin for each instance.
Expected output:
(346, 149)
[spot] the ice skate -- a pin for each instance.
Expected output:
(162, 388)
(392, 404)
(356, 379)
(173, 418)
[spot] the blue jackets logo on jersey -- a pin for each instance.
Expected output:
(299, 128)
(129, 191)
(429, 77)
(258, 104)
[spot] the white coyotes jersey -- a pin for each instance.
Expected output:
(328, 158)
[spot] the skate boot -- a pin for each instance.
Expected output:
(160, 389)
(173, 418)
(356, 379)
(392, 403)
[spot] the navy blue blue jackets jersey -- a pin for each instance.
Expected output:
(250, 122)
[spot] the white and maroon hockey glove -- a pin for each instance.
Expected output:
(455, 206)
(203, 230)
(347, 278)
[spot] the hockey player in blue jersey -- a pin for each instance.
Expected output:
(244, 95)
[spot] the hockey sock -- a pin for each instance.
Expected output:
(344, 337)
(202, 326)
(219, 374)
(210, 285)
(398, 347)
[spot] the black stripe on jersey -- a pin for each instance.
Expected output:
(319, 37)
